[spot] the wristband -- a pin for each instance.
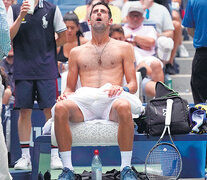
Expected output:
(126, 89)
(132, 36)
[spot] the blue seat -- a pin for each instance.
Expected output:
(72, 2)
(66, 8)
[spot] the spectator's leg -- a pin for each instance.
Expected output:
(177, 40)
(157, 71)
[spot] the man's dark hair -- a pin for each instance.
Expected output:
(71, 16)
(101, 3)
(116, 28)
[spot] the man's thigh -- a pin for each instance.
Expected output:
(113, 116)
(75, 113)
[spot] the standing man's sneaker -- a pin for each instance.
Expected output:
(66, 174)
(56, 162)
(128, 174)
(23, 163)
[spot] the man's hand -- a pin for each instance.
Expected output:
(114, 90)
(24, 9)
(64, 95)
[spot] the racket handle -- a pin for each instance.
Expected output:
(168, 112)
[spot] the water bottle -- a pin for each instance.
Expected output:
(168, 81)
(96, 166)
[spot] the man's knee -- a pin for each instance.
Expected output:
(123, 108)
(25, 113)
(156, 65)
(60, 110)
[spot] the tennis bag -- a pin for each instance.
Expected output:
(156, 111)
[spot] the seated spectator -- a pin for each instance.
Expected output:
(116, 32)
(83, 11)
(7, 4)
(176, 16)
(74, 38)
(7, 65)
(166, 3)
(157, 14)
(144, 39)
(7, 89)
(118, 3)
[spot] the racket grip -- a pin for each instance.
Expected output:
(168, 112)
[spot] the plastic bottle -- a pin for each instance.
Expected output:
(96, 166)
(168, 81)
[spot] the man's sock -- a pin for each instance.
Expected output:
(25, 147)
(66, 159)
(54, 151)
(126, 157)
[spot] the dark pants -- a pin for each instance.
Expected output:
(199, 76)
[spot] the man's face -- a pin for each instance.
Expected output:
(7, 3)
(72, 28)
(99, 19)
(135, 19)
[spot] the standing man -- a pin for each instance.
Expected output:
(35, 66)
(102, 95)
(4, 49)
(194, 20)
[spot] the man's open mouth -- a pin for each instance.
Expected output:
(98, 19)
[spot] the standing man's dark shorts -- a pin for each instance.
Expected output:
(43, 91)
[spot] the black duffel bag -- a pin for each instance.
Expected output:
(153, 121)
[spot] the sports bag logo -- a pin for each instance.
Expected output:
(164, 112)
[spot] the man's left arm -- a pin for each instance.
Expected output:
(60, 28)
(61, 39)
(191, 31)
(129, 69)
(4, 32)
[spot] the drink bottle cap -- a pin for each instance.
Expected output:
(96, 152)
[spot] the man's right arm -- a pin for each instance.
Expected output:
(72, 75)
(16, 25)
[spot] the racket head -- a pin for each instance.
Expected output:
(163, 162)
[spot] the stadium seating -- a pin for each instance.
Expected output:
(72, 2)
(69, 5)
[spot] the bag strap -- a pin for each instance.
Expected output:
(162, 90)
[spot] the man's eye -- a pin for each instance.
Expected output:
(95, 11)
(103, 11)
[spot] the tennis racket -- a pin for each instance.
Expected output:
(164, 160)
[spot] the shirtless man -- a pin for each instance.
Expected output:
(101, 61)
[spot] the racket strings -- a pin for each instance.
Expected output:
(163, 161)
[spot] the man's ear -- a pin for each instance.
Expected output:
(89, 21)
(110, 21)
